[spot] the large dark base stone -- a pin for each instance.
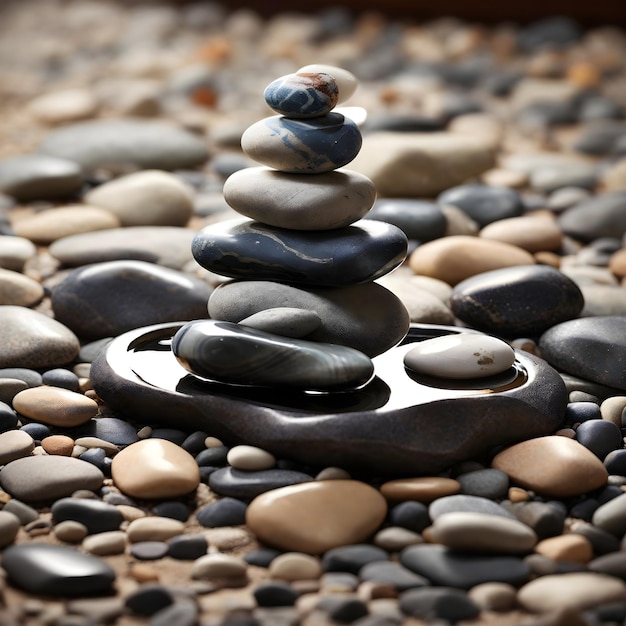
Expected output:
(399, 423)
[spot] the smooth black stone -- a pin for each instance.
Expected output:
(615, 462)
(612, 613)
(442, 567)
(352, 558)
(111, 429)
(213, 456)
(517, 301)
(275, 593)
(58, 571)
(223, 512)
(466, 504)
(483, 203)
(410, 515)
(418, 219)
(37, 431)
(194, 442)
(600, 137)
(577, 412)
(550, 32)
(149, 599)
(95, 515)
(206, 471)
(584, 510)
(609, 493)
(601, 215)
(396, 424)
(170, 434)
(545, 519)
(342, 609)
(600, 436)
(261, 557)
(228, 481)
(485, 483)
(394, 574)
(188, 547)
(61, 377)
(8, 418)
(439, 603)
(173, 510)
(593, 348)
(97, 457)
(362, 252)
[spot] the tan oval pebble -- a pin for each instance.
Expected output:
(15, 444)
(575, 590)
(531, 233)
(499, 177)
(494, 596)
(144, 573)
(317, 516)
(155, 468)
(612, 408)
(333, 473)
(153, 528)
(65, 105)
(130, 513)
(55, 406)
(58, 444)
(228, 537)
(395, 538)
(480, 532)
(95, 442)
(145, 432)
(250, 458)
(292, 566)
(569, 548)
(9, 527)
(211, 566)
(617, 263)
(552, 466)
(516, 494)
(422, 489)
(70, 531)
(453, 259)
(105, 544)
(213, 442)
(19, 290)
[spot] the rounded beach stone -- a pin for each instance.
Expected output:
(394, 574)
(223, 512)
(221, 566)
(9, 527)
(601, 215)
(346, 81)
(466, 504)
(31, 339)
(95, 515)
(15, 251)
(434, 604)
(58, 444)
(48, 478)
(423, 489)
(228, 481)
(302, 95)
(552, 466)
(395, 538)
(418, 219)
(155, 468)
(517, 301)
(568, 548)
(15, 444)
(70, 531)
(317, 516)
(250, 458)
(66, 105)
(55, 406)
(146, 198)
(312, 146)
(105, 543)
(611, 516)
(291, 201)
(494, 596)
(292, 566)
(154, 528)
(285, 321)
(19, 290)
(529, 232)
(460, 356)
(455, 258)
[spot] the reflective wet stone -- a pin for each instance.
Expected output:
(235, 483)
(230, 353)
(418, 219)
(285, 321)
(302, 95)
(95, 515)
(466, 504)
(224, 512)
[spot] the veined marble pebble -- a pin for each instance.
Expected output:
(313, 146)
(346, 81)
(460, 356)
(302, 95)
(55, 406)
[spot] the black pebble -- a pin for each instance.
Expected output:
(188, 547)
(261, 557)
(37, 431)
(275, 593)
(8, 418)
(344, 610)
(149, 599)
(576, 412)
(599, 436)
(95, 515)
(439, 603)
(60, 377)
(410, 515)
(223, 512)
(352, 558)
(172, 509)
(170, 434)
(194, 442)
(615, 462)
(215, 456)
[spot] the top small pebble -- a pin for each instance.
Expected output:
(302, 95)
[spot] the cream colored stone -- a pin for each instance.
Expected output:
(19, 290)
(292, 566)
(219, 566)
(250, 458)
(67, 105)
(529, 232)
(422, 489)
(395, 538)
(612, 408)
(494, 596)
(55, 406)
(105, 544)
(154, 528)
(614, 178)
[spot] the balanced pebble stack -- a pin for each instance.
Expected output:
(304, 310)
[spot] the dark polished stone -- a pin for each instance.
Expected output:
(439, 603)
(418, 219)
(364, 251)
(602, 215)
(228, 481)
(95, 515)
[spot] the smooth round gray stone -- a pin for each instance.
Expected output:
(466, 504)
(603, 300)
(47, 478)
(15, 444)
(230, 353)
(285, 321)
(611, 516)
(30, 339)
(394, 574)
(517, 301)
(123, 142)
(336, 199)
(486, 483)
(107, 299)
(592, 348)
(559, 175)
(40, 177)
(418, 219)
(165, 245)
(351, 316)
(603, 215)
(58, 571)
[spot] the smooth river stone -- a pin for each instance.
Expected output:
(532, 233)
(346, 81)
(331, 200)
(314, 146)
(317, 516)
(285, 321)
(422, 489)
(351, 316)
(15, 444)
(154, 469)
(603, 215)
(57, 571)
(355, 254)
(552, 466)
(230, 353)
(302, 95)
(18, 289)
(418, 219)
(33, 340)
(517, 301)
(460, 356)
(55, 406)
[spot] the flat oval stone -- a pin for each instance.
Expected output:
(466, 504)
(96, 516)
(552, 466)
(517, 301)
(250, 458)
(106, 543)
(234, 483)
(302, 95)
(58, 571)
(19, 290)
(317, 516)
(355, 254)
(285, 321)
(55, 406)
(292, 566)
(313, 146)
(15, 444)
(592, 348)
(418, 219)
(337, 198)
(423, 489)
(350, 316)
(15, 251)
(230, 353)
(346, 81)
(529, 232)
(601, 215)
(462, 356)
(438, 604)
(154, 528)
(31, 339)
(9, 527)
(47, 478)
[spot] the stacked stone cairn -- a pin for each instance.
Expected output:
(304, 310)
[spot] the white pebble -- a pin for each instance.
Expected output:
(250, 458)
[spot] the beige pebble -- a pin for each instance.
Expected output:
(453, 259)
(95, 442)
(154, 528)
(228, 537)
(55, 406)
(213, 442)
(145, 432)
(333, 473)
(155, 468)
(19, 290)
(395, 538)
(130, 513)
(544, 257)
(494, 596)
(423, 489)
(317, 516)
(458, 222)
(15, 444)
(614, 177)
(612, 408)
(552, 466)
(78, 450)
(617, 263)
(570, 433)
(9, 527)
(250, 458)
(66, 105)
(517, 494)
(534, 234)
(219, 566)
(292, 566)
(500, 177)
(58, 444)
(106, 543)
(144, 573)
(570, 548)
(70, 531)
